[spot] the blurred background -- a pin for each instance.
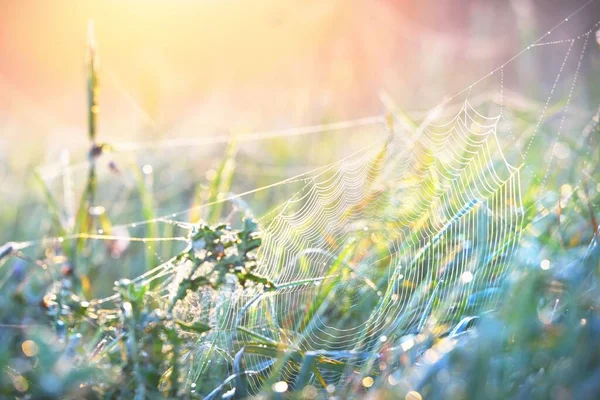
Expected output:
(188, 70)
(192, 68)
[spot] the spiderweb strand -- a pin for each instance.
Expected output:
(51, 170)
(168, 218)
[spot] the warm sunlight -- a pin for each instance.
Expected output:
(299, 199)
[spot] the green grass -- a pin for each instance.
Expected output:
(84, 318)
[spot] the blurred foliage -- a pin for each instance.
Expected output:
(58, 345)
(541, 342)
(59, 341)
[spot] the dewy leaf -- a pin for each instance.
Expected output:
(197, 327)
(258, 336)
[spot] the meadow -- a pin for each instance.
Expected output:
(446, 254)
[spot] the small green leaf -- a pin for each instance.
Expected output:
(197, 327)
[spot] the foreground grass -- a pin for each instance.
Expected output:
(540, 342)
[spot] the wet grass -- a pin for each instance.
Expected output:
(68, 330)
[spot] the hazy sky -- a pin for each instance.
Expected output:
(185, 66)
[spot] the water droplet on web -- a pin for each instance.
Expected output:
(466, 277)
(96, 210)
(545, 264)
(280, 387)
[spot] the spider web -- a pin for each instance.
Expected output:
(446, 222)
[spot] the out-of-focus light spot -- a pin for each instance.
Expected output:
(545, 264)
(583, 322)
(127, 309)
(330, 388)
(431, 356)
(412, 395)
(545, 315)
(229, 394)
(466, 277)
(435, 113)
(280, 387)
(20, 383)
(407, 344)
(392, 381)
(97, 210)
(566, 190)
(147, 169)
(383, 338)
(30, 348)
(445, 345)
(367, 381)
(309, 392)
(210, 174)
(394, 297)
(562, 151)
(443, 377)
